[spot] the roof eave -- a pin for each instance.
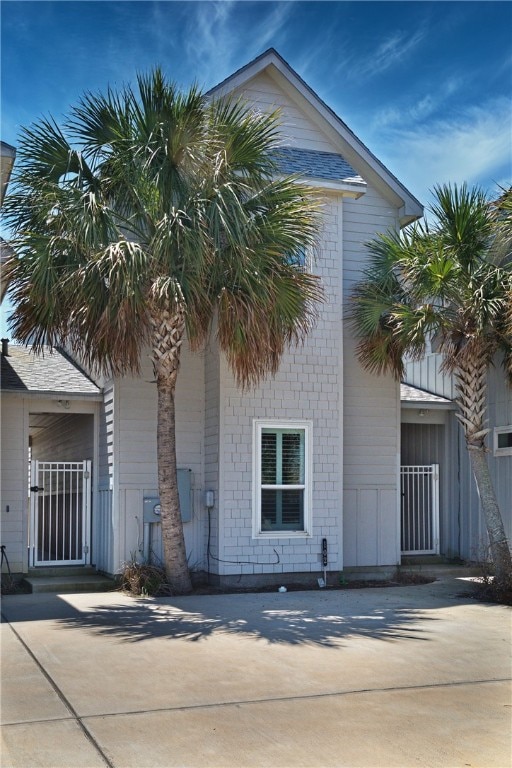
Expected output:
(355, 189)
(427, 405)
(54, 395)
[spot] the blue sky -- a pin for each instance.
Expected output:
(427, 86)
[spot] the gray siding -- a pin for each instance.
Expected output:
(104, 537)
(14, 481)
(306, 387)
(298, 128)
(500, 415)
(69, 437)
(370, 405)
(371, 414)
(466, 531)
(424, 444)
(106, 438)
(212, 453)
(425, 374)
(135, 466)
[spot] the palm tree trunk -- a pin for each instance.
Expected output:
(168, 331)
(497, 538)
(471, 378)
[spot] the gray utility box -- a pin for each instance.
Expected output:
(152, 503)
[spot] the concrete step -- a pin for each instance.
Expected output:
(424, 560)
(45, 571)
(92, 582)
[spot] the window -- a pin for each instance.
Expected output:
(282, 485)
(503, 441)
(300, 259)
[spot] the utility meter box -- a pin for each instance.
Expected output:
(152, 503)
(151, 509)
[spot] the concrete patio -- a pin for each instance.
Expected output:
(405, 676)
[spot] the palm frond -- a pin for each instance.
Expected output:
(443, 280)
(155, 200)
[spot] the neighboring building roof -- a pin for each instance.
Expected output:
(7, 155)
(353, 149)
(6, 252)
(316, 165)
(49, 373)
(414, 397)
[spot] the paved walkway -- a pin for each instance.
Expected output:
(410, 676)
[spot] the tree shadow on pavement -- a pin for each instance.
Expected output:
(292, 620)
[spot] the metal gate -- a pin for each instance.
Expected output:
(60, 508)
(420, 510)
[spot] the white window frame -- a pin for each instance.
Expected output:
(501, 451)
(307, 427)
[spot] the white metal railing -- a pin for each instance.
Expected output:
(420, 509)
(60, 512)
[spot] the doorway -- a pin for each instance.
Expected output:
(61, 447)
(60, 506)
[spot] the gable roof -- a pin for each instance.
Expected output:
(414, 397)
(352, 149)
(49, 373)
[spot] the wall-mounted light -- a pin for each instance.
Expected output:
(422, 412)
(63, 403)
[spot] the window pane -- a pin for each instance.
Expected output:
(268, 510)
(268, 458)
(505, 439)
(293, 459)
(282, 510)
(292, 509)
(297, 258)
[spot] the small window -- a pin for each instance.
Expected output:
(299, 259)
(503, 441)
(282, 479)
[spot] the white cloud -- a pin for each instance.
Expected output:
(269, 32)
(361, 65)
(209, 38)
(216, 38)
(420, 110)
(473, 146)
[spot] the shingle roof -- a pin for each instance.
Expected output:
(51, 372)
(316, 164)
(410, 394)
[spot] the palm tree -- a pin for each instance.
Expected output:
(451, 283)
(147, 216)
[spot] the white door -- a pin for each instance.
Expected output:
(60, 510)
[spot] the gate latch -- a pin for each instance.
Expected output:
(36, 488)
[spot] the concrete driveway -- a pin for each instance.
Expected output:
(406, 676)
